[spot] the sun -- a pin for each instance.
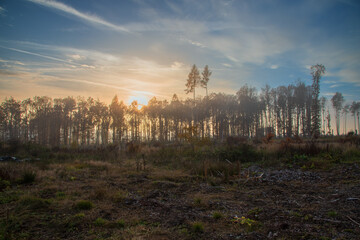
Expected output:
(141, 100)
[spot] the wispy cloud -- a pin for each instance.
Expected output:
(89, 18)
(37, 54)
(2, 10)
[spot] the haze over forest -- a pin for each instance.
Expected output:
(137, 50)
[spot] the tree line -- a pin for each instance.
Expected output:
(293, 110)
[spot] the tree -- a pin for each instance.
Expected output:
(117, 113)
(316, 71)
(205, 78)
(354, 109)
(323, 105)
(345, 111)
(337, 102)
(192, 81)
(11, 118)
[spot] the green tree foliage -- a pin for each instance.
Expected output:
(193, 80)
(205, 78)
(316, 71)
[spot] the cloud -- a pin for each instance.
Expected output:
(36, 54)
(177, 65)
(2, 10)
(77, 57)
(274, 66)
(11, 62)
(89, 18)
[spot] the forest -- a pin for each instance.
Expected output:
(285, 111)
(252, 165)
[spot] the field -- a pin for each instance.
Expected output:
(265, 191)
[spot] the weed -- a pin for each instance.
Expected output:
(99, 194)
(120, 223)
(197, 201)
(308, 217)
(100, 222)
(255, 212)
(250, 224)
(79, 215)
(84, 205)
(27, 177)
(217, 215)
(60, 195)
(75, 220)
(33, 203)
(8, 196)
(197, 227)
(4, 184)
(332, 213)
(120, 196)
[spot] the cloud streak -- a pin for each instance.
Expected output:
(39, 55)
(89, 18)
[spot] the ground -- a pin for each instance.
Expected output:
(111, 200)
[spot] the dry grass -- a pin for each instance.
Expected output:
(164, 203)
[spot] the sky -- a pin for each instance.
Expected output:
(138, 49)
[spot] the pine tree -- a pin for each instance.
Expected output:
(316, 71)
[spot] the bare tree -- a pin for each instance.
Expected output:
(345, 111)
(337, 102)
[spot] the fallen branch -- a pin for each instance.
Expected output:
(327, 220)
(353, 221)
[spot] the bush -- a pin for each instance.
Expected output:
(84, 205)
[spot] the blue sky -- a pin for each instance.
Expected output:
(139, 49)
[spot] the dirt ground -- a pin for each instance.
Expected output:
(172, 204)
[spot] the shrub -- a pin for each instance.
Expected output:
(84, 205)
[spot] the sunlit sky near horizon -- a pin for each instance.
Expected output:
(139, 49)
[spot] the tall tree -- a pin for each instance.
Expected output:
(354, 109)
(316, 71)
(205, 78)
(345, 111)
(193, 80)
(337, 102)
(323, 105)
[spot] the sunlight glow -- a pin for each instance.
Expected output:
(141, 100)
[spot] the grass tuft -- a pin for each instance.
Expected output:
(84, 205)
(197, 227)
